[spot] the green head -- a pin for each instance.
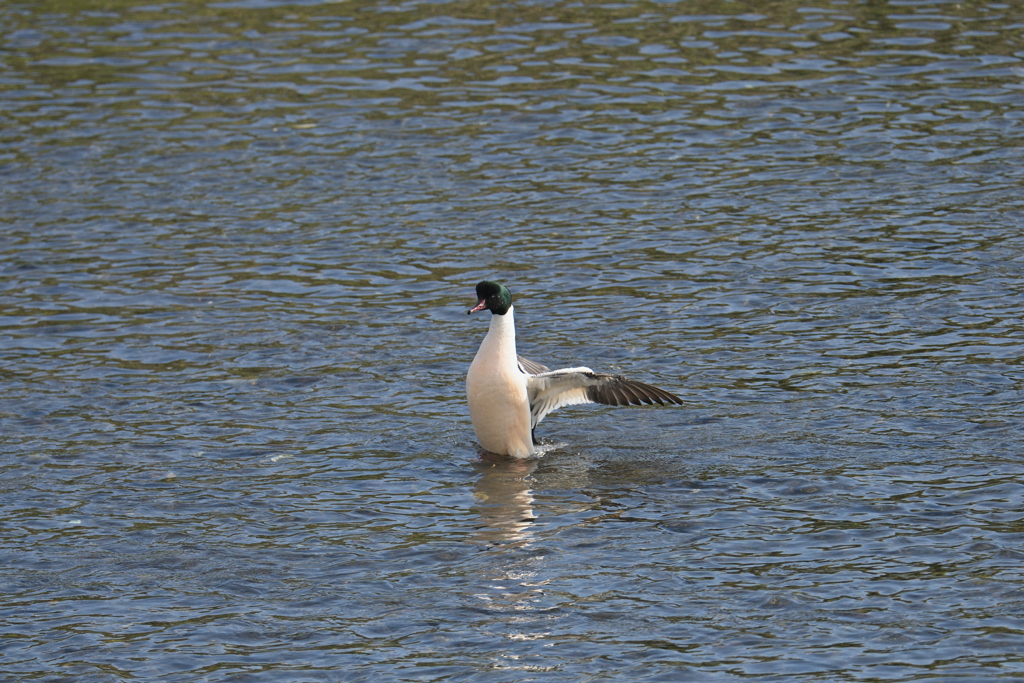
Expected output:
(494, 297)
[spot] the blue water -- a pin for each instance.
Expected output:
(237, 245)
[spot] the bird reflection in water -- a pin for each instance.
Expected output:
(504, 500)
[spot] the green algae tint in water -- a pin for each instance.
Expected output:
(236, 247)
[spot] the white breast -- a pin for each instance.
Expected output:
(499, 404)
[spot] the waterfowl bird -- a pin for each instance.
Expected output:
(509, 395)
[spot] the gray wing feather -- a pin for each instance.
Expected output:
(531, 367)
(554, 389)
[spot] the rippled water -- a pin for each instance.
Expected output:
(238, 243)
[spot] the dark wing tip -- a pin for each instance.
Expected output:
(658, 395)
(616, 390)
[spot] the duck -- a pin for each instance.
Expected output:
(509, 395)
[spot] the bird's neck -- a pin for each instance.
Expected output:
(501, 336)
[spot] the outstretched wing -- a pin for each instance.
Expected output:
(551, 390)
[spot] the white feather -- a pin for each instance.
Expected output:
(555, 389)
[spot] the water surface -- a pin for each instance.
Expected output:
(238, 243)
